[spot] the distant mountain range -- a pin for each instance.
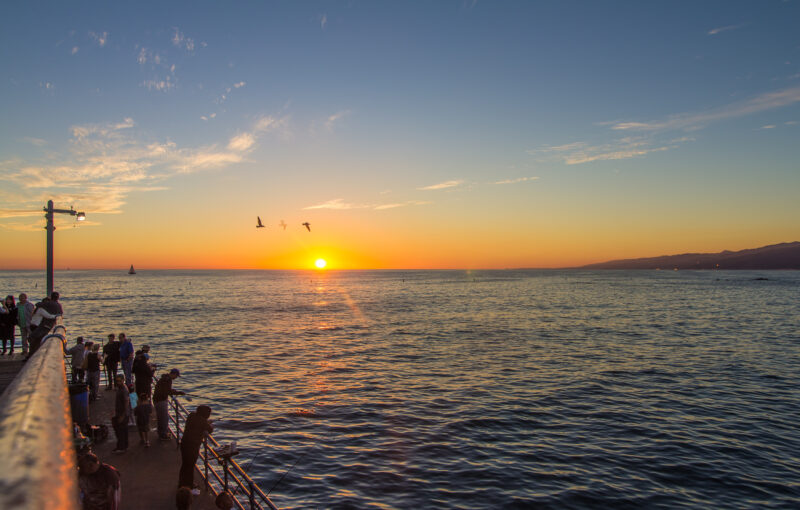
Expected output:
(776, 256)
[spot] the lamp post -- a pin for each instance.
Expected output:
(49, 211)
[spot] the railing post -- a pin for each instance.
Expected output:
(225, 470)
(177, 422)
(252, 494)
(205, 462)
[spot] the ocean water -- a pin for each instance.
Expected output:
(478, 389)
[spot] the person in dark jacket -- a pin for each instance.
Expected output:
(197, 425)
(160, 395)
(122, 413)
(93, 370)
(8, 319)
(98, 483)
(111, 359)
(143, 372)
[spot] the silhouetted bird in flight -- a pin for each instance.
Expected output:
(307, 225)
(260, 225)
(282, 224)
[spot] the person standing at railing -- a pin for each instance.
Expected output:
(43, 320)
(93, 370)
(8, 319)
(24, 314)
(160, 400)
(197, 426)
(122, 412)
(77, 352)
(126, 356)
(111, 360)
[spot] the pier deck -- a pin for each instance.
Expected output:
(9, 368)
(149, 475)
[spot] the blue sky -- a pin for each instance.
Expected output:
(592, 129)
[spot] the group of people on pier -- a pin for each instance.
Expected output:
(33, 322)
(135, 398)
(134, 401)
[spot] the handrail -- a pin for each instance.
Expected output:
(38, 468)
(231, 470)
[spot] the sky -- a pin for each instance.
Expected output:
(448, 134)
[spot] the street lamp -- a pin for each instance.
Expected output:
(49, 211)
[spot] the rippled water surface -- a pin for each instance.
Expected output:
(483, 389)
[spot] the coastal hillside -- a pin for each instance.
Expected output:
(776, 256)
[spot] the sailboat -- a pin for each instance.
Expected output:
(131, 270)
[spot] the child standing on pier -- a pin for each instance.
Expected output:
(143, 412)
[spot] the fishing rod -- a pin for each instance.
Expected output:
(295, 463)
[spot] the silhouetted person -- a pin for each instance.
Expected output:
(111, 360)
(126, 357)
(24, 314)
(197, 425)
(93, 370)
(43, 320)
(77, 352)
(122, 413)
(160, 401)
(224, 501)
(98, 483)
(8, 319)
(143, 374)
(183, 498)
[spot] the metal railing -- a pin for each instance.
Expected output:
(220, 471)
(38, 468)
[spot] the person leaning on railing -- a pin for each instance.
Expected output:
(161, 395)
(43, 320)
(197, 425)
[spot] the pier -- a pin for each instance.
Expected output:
(36, 441)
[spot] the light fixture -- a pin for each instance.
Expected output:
(80, 216)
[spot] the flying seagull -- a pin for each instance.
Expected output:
(260, 225)
(307, 225)
(282, 224)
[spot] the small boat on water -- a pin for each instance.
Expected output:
(131, 270)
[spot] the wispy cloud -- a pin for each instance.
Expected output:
(242, 142)
(101, 38)
(514, 181)
(34, 141)
(103, 163)
(715, 31)
(181, 41)
(625, 148)
(323, 20)
(768, 126)
(442, 185)
(697, 120)
(401, 204)
(224, 96)
(339, 204)
(160, 85)
(74, 50)
(336, 117)
(208, 117)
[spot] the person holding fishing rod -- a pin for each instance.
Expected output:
(160, 395)
(197, 425)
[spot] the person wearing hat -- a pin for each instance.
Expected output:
(161, 395)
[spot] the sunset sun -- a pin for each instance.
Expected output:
(320, 263)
